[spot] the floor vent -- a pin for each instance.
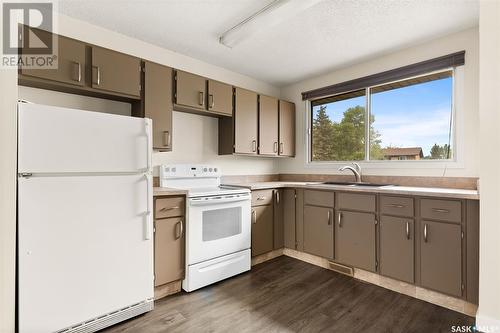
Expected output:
(99, 323)
(346, 270)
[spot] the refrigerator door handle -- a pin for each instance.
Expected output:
(149, 148)
(147, 215)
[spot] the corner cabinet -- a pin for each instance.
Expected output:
(286, 128)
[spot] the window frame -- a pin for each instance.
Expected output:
(456, 127)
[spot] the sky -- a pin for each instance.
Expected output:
(413, 116)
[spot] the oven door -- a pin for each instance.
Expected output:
(217, 226)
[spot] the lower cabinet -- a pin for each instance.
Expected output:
(262, 229)
(355, 239)
(441, 257)
(318, 231)
(169, 250)
(397, 248)
(279, 227)
(169, 243)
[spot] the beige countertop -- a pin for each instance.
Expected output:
(161, 191)
(389, 189)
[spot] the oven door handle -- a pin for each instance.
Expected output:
(217, 200)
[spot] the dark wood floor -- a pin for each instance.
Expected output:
(288, 295)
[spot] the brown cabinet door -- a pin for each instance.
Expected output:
(441, 257)
(190, 90)
(286, 128)
(70, 66)
(268, 125)
(397, 248)
(289, 218)
(245, 121)
(262, 229)
(279, 229)
(220, 98)
(355, 239)
(169, 250)
(116, 72)
(158, 103)
(318, 231)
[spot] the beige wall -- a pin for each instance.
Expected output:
(468, 124)
(489, 268)
(8, 151)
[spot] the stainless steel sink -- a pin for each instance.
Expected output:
(356, 184)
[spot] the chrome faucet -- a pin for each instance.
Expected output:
(356, 170)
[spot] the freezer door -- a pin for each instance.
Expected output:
(59, 140)
(85, 248)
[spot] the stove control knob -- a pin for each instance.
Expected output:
(215, 169)
(204, 169)
(167, 169)
(174, 169)
(210, 169)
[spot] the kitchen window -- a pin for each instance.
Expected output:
(409, 120)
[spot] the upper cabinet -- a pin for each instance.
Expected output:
(197, 94)
(116, 72)
(268, 125)
(220, 98)
(158, 103)
(286, 128)
(245, 121)
(71, 63)
(190, 90)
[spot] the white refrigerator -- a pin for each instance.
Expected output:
(85, 251)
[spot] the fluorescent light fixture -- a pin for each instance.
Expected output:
(275, 12)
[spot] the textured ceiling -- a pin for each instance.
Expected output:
(324, 37)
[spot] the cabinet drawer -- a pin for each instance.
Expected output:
(444, 210)
(169, 207)
(319, 198)
(262, 197)
(361, 202)
(396, 206)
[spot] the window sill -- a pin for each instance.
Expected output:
(366, 165)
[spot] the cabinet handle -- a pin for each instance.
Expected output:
(275, 147)
(254, 146)
(166, 138)
(254, 217)
(340, 219)
(98, 75)
(79, 71)
(211, 101)
(281, 148)
(164, 209)
(200, 97)
(440, 210)
(278, 197)
(425, 232)
(407, 230)
(397, 206)
(329, 218)
(181, 229)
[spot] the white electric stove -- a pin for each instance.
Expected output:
(218, 224)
